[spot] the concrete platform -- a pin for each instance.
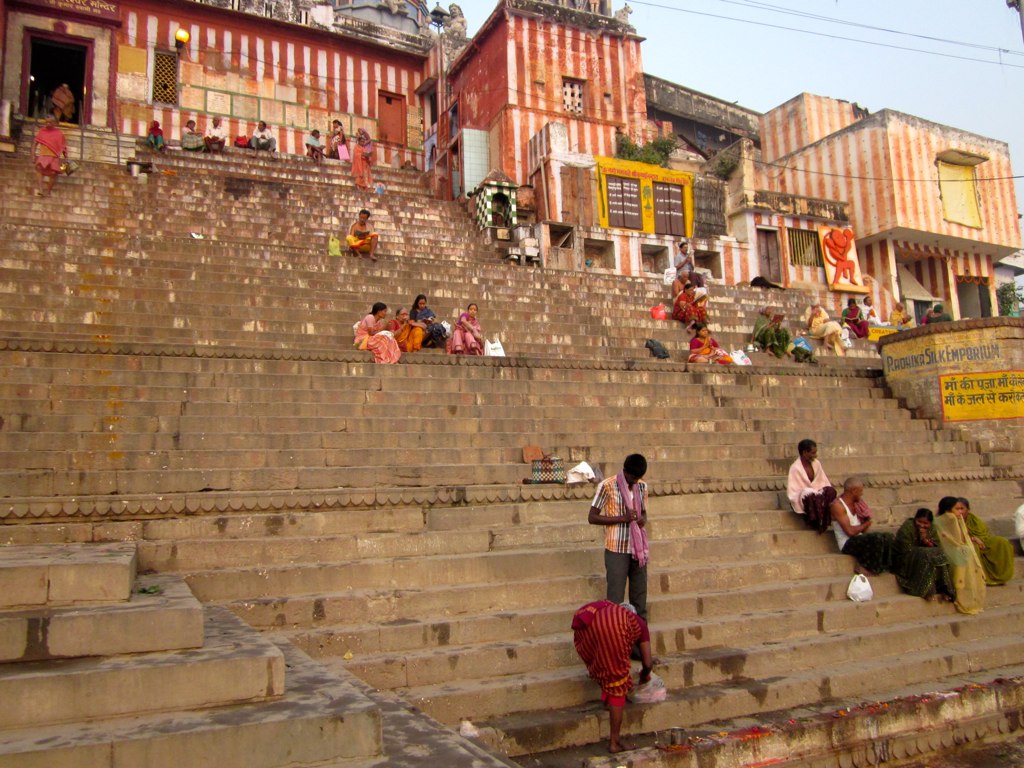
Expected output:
(319, 721)
(41, 575)
(168, 619)
(234, 665)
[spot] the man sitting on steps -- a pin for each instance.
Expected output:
(850, 523)
(263, 140)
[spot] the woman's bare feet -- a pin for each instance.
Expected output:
(614, 747)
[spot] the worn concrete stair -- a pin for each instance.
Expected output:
(164, 615)
(35, 577)
(319, 720)
(109, 671)
(200, 396)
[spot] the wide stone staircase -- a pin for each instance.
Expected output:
(177, 372)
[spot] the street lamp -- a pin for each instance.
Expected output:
(181, 38)
(438, 16)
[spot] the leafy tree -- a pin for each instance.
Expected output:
(655, 152)
(1010, 297)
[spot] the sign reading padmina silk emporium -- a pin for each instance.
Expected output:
(631, 193)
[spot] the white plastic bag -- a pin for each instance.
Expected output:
(493, 349)
(581, 473)
(650, 692)
(739, 357)
(860, 589)
(669, 277)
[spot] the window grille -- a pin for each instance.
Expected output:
(165, 77)
(572, 96)
(804, 248)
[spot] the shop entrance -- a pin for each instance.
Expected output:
(53, 62)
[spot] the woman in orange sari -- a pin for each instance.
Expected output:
(408, 333)
(704, 349)
(362, 160)
(372, 335)
(49, 150)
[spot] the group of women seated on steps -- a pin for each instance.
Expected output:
(949, 557)
(413, 329)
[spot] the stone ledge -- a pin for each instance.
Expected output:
(517, 361)
(127, 508)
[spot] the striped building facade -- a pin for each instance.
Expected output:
(933, 207)
(527, 68)
(242, 67)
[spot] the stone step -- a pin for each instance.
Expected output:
(345, 623)
(910, 720)
(919, 723)
(36, 576)
(233, 666)
(569, 722)
(679, 645)
(74, 365)
(320, 719)
(161, 615)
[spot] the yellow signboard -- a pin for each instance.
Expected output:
(982, 396)
(875, 332)
(638, 196)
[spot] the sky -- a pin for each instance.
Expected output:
(751, 53)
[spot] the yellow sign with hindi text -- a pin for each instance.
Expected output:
(982, 396)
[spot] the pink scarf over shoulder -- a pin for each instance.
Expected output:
(637, 535)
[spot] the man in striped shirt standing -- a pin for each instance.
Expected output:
(620, 505)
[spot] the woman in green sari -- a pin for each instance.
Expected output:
(996, 553)
(769, 333)
(968, 575)
(920, 565)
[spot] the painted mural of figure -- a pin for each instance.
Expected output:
(837, 252)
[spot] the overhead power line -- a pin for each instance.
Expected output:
(827, 35)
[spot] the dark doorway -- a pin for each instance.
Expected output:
(54, 62)
(768, 255)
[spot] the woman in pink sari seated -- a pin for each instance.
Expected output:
(49, 150)
(467, 336)
(704, 349)
(853, 318)
(371, 335)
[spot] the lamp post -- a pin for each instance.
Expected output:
(181, 38)
(438, 17)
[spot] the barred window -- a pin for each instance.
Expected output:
(165, 77)
(572, 96)
(804, 248)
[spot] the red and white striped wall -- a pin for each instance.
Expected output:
(248, 56)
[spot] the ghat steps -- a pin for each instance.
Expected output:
(201, 397)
